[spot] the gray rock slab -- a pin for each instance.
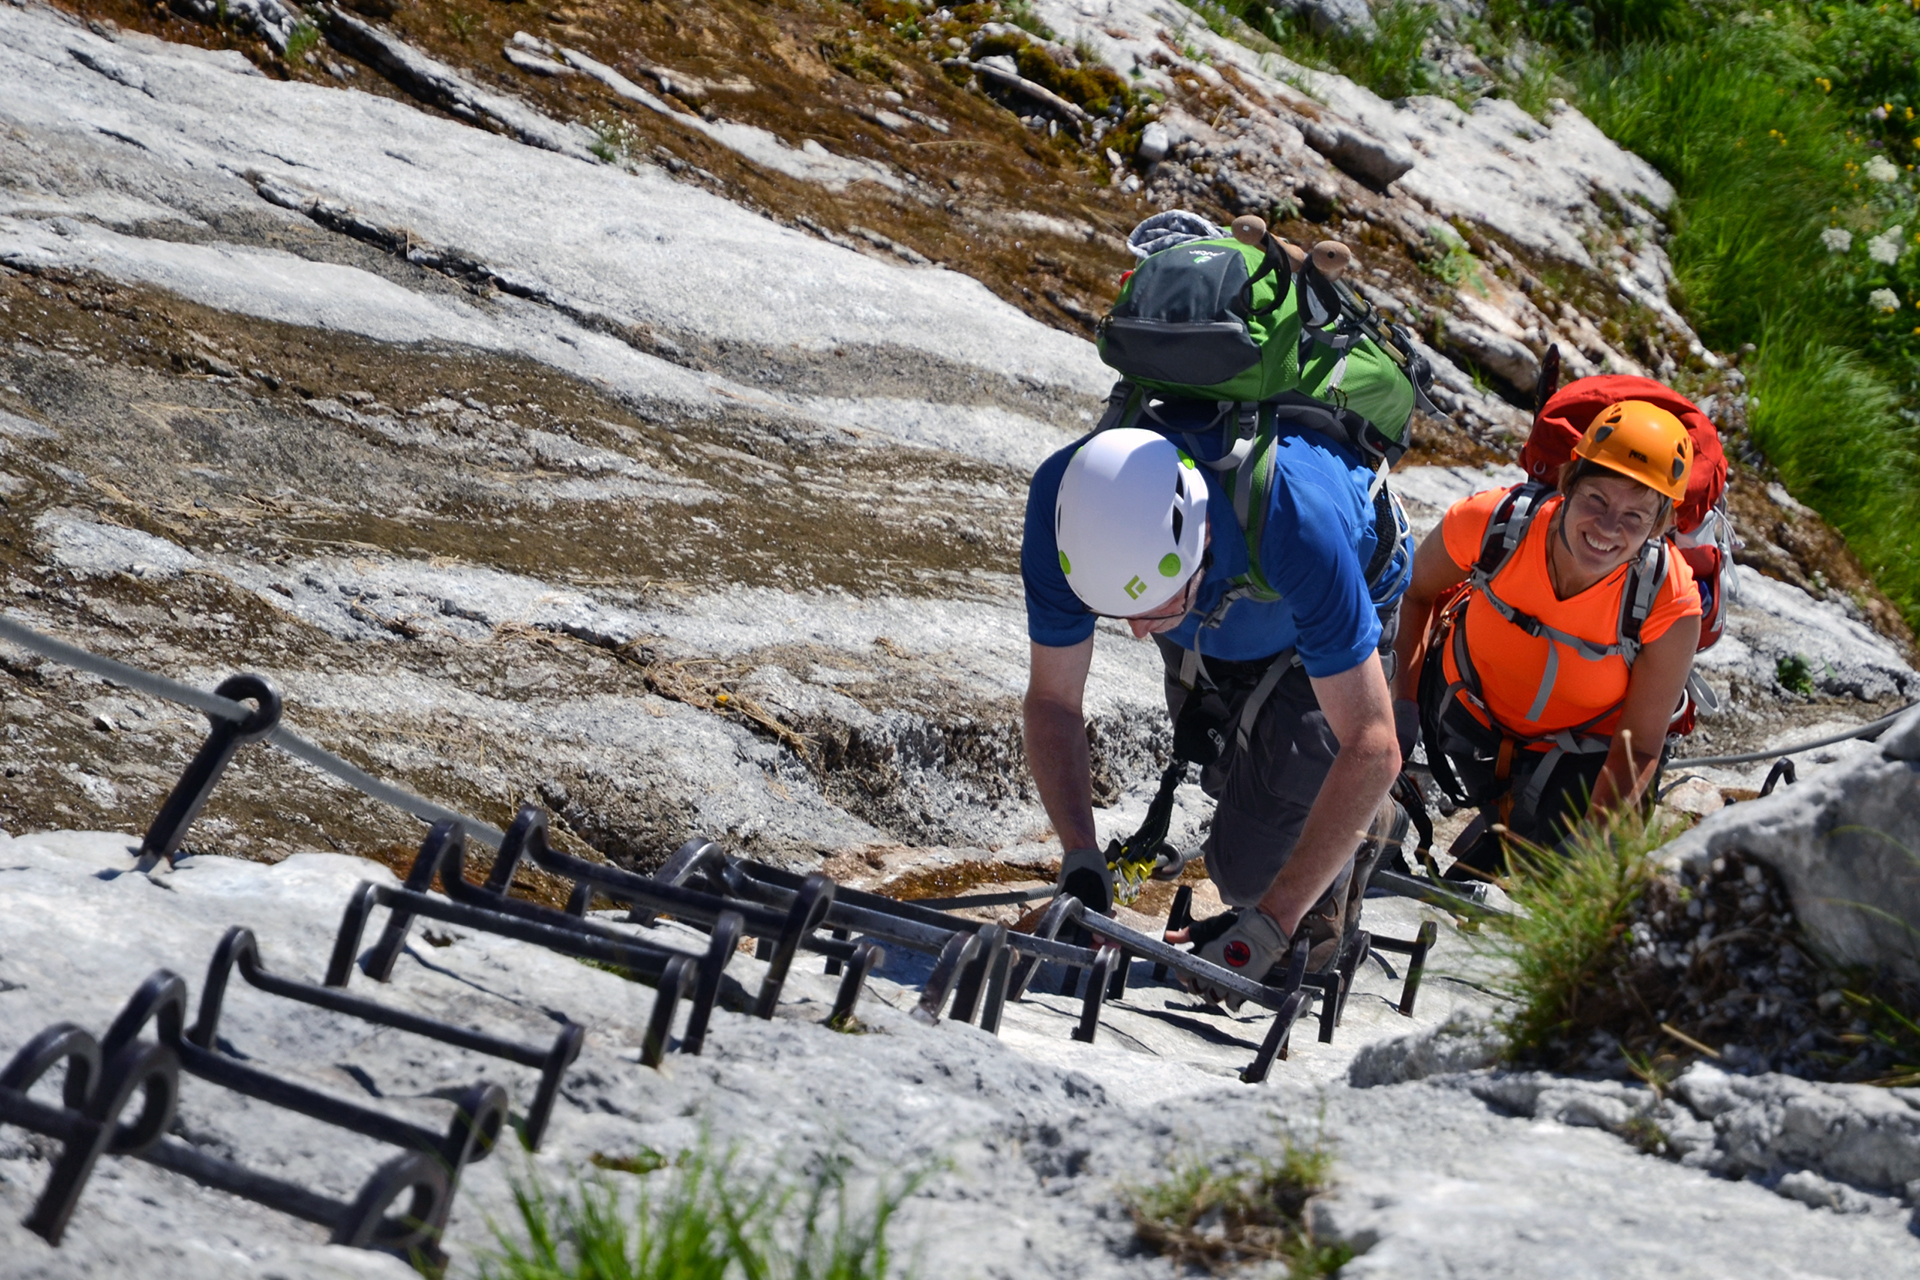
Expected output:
(1030, 1138)
(634, 244)
(1375, 162)
(1523, 1197)
(1845, 842)
(1856, 1134)
(1532, 181)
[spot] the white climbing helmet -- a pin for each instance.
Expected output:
(1130, 520)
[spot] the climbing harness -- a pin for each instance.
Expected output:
(1455, 718)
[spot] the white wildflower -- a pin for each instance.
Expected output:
(1881, 169)
(1884, 300)
(1837, 239)
(1885, 248)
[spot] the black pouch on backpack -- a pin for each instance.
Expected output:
(1204, 319)
(1204, 728)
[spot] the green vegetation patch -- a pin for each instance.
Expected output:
(1567, 930)
(1616, 964)
(1093, 86)
(301, 41)
(1219, 1214)
(700, 1218)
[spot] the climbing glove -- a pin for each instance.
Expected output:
(1250, 946)
(1084, 874)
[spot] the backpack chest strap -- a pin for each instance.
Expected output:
(1555, 638)
(1505, 531)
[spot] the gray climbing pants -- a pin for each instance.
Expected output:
(1262, 791)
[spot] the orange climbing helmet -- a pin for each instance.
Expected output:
(1643, 442)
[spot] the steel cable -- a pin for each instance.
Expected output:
(319, 757)
(1870, 730)
(213, 704)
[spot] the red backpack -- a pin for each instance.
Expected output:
(1703, 532)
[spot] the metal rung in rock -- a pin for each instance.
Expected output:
(190, 793)
(794, 926)
(239, 950)
(442, 856)
(672, 973)
(104, 1077)
(915, 927)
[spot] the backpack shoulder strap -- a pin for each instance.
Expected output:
(1124, 405)
(1645, 578)
(1252, 498)
(1506, 528)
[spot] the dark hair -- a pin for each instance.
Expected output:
(1574, 470)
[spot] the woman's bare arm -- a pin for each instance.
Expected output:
(1653, 691)
(1433, 572)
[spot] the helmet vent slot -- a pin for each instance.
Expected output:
(1179, 522)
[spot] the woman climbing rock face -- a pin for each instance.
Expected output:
(1549, 633)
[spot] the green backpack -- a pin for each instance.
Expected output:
(1275, 348)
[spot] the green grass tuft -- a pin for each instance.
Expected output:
(1794, 674)
(1571, 913)
(301, 41)
(615, 141)
(1895, 1029)
(1391, 61)
(702, 1218)
(1219, 1216)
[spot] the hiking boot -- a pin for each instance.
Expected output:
(1084, 874)
(1387, 835)
(1248, 942)
(1326, 924)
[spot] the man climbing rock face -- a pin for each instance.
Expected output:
(1283, 702)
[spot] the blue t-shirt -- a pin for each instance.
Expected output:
(1318, 540)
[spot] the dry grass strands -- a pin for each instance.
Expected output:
(706, 683)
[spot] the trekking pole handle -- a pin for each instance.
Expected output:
(1250, 229)
(1332, 258)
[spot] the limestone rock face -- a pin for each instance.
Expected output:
(1847, 843)
(1029, 1138)
(1370, 159)
(1350, 17)
(1463, 1042)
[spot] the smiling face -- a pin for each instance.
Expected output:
(1605, 521)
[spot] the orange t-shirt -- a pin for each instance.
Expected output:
(1510, 662)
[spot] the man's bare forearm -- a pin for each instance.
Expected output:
(1056, 740)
